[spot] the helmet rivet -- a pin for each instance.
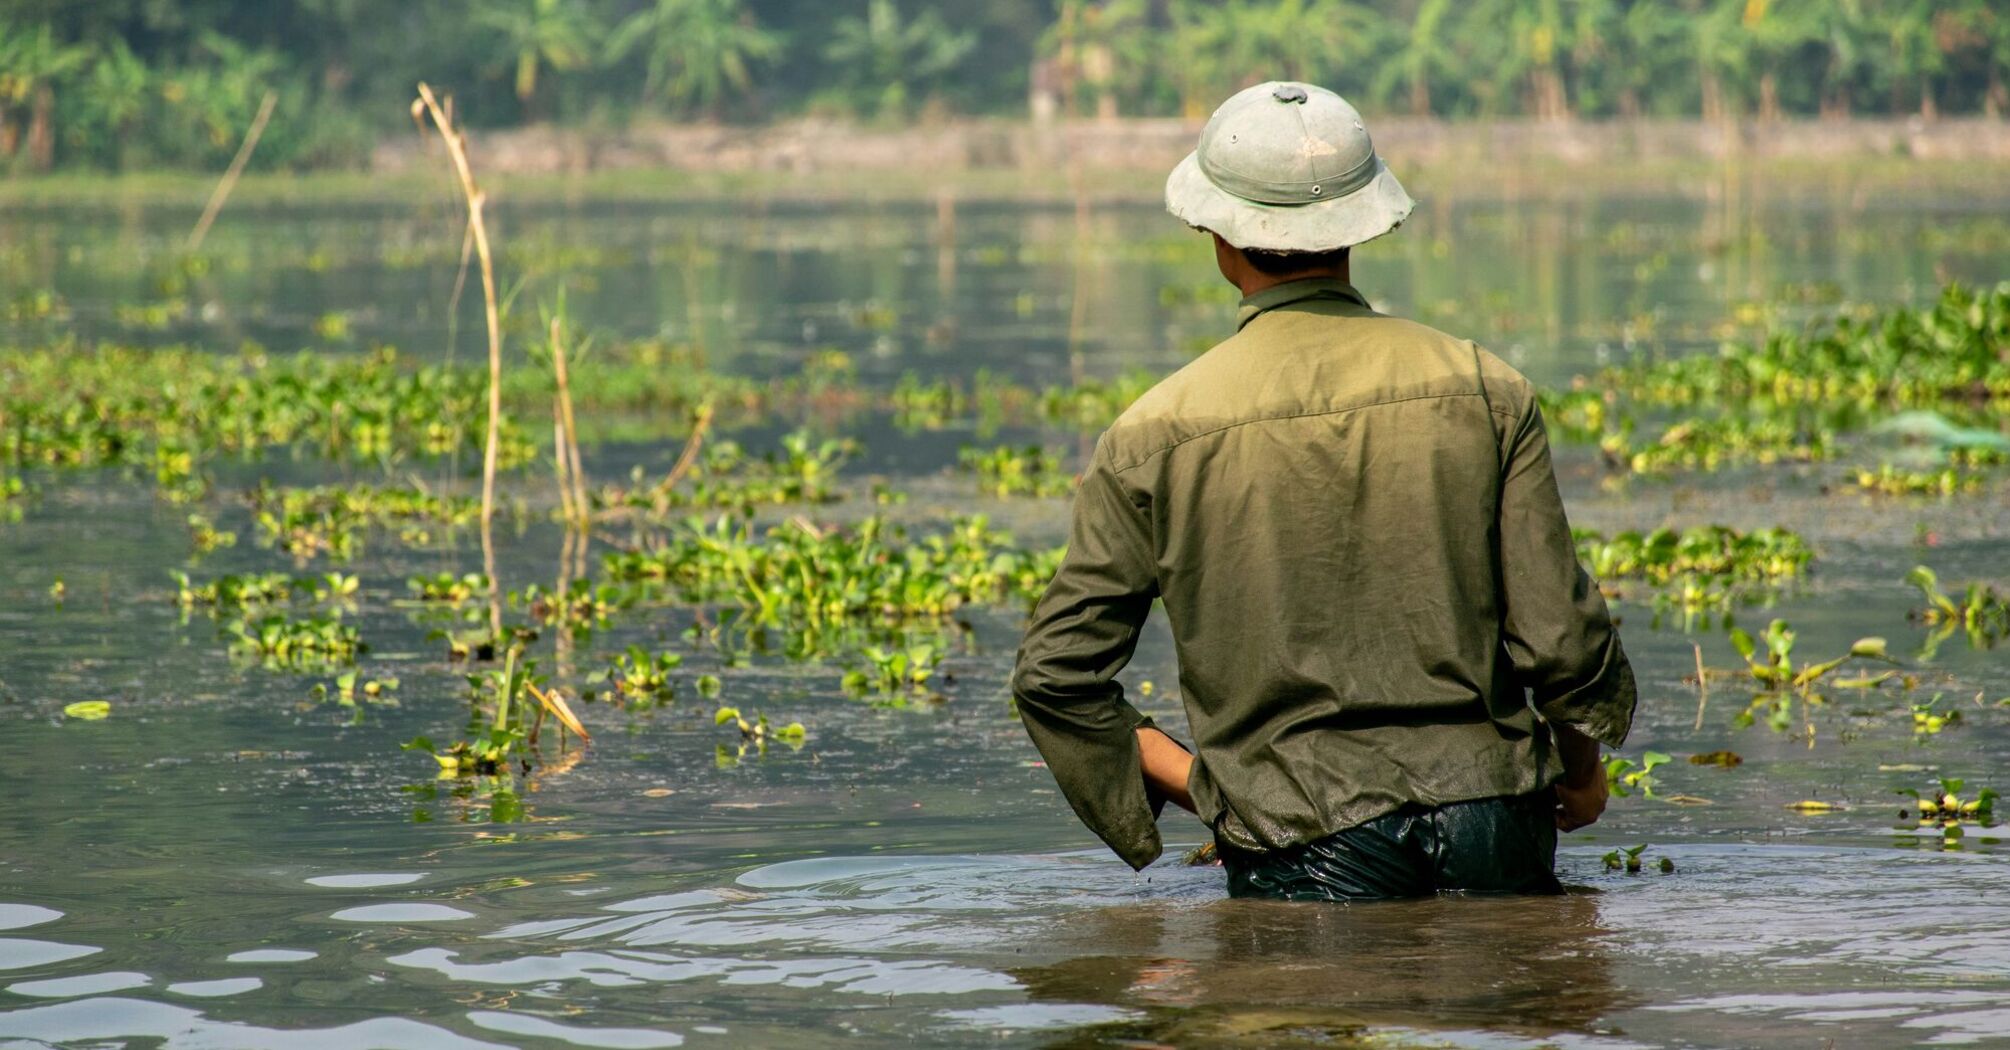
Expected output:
(1315, 189)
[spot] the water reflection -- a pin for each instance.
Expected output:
(1249, 972)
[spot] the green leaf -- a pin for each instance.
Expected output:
(725, 715)
(1741, 640)
(708, 685)
(419, 743)
(88, 710)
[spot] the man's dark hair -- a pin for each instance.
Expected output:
(1284, 264)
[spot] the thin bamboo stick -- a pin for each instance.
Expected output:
(1702, 684)
(690, 454)
(456, 143)
(581, 509)
(230, 174)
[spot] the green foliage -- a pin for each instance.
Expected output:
(1782, 684)
(696, 52)
(1623, 776)
(1981, 613)
(121, 88)
(798, 574)
(640, 678)
(281, 642)
(1796, 395)
(882, 59)
(893, 676)
(1707, 567)
(1006, 471)
(755, 736)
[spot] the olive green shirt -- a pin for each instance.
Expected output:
(1354, 526)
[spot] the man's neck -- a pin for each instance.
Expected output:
(1256, 281)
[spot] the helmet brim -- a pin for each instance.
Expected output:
(1376, 208)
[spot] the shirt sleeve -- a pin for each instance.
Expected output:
(1558, 633)
(1083, 632)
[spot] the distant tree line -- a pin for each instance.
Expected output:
(131, 83)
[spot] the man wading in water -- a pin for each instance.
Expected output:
(1396, 672)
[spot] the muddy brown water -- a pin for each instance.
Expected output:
(226, 862)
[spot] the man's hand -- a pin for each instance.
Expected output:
(1580, 804)
(1581, 795)
(1166, 766)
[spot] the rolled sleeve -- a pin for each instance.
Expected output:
(1083, 632)
(1556, 628)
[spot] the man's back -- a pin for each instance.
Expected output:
(1320, 501)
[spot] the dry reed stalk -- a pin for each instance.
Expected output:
(581, 509)
(690, 454)
(1702, 685)
(230, 174)
(558, 461)
(554, 702)
(456, 142)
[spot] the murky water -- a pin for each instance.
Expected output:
(228, 862)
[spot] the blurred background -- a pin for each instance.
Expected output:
(125, 84)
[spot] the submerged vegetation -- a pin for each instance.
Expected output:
(1901, 373)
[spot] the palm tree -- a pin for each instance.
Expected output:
(697, 50)
(115, 94)
(1103, 45)
(1422, 54)
(31, 65)
(1650, 56)
(540, 33)
(886, 58)
(1230, 45)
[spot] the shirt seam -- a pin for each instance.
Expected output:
(1149, 456)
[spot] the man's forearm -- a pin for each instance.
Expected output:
(1166, 766)
(1579, 754)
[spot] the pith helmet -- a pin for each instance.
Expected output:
(1287, 167)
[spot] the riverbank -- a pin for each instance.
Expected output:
(812, 147)
(1115, 162)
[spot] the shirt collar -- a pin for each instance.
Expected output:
(1295, 291)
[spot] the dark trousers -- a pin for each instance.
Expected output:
(1489, 845)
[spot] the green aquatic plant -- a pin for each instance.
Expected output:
(314, 643)
(803, 469)
(640, 678)
(1623, 776)
(893, 676)
(1008, 471)
(331, 519)
(447, 588)
(206, 537)
(173, 409)
(1784, 686)
(582, 607)
(351, 688)
(1889, 480)
(1926, 721)
(1707, 567)
(1796, 394)
(13, 491)
(754, 736)
(1630, 860)
(1711, 550)
(507, 708)
(233, 591)
(815, 577)
(1981, 613)
(1947, 812)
